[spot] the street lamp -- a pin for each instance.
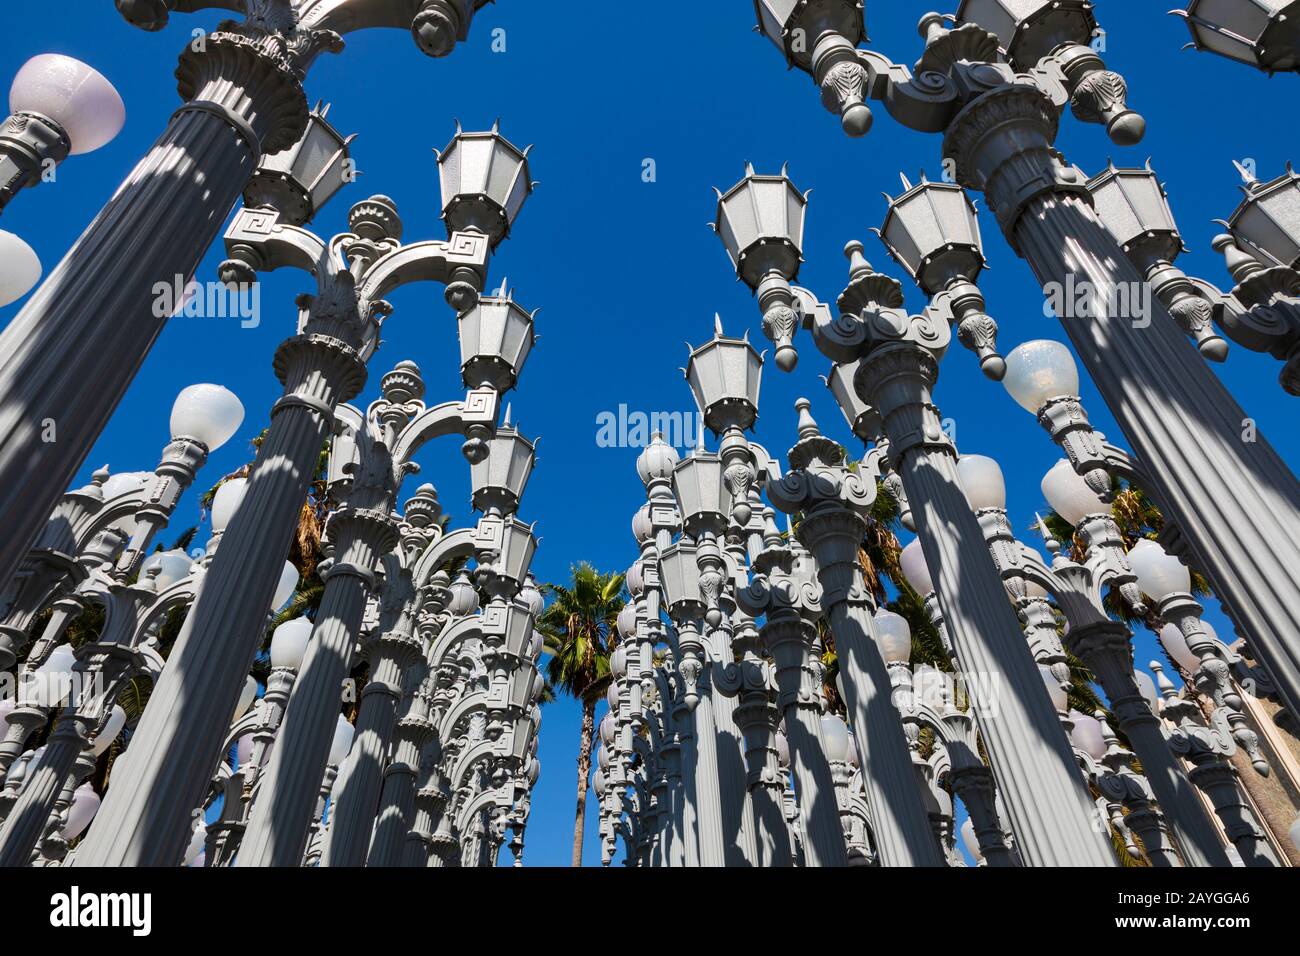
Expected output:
(209, 414)
(59, 107)
(485, 182)
(1043, 379)
(1134, 207)
(760, 222)
(893, 636)
(931, 231)
(1069, 495)
(1267, 221)
(1264, 34)
(289, 643)
(300, 180)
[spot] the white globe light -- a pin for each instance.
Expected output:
(1060, 699)
(342, 743)
(20, 268)
(246, 697)
(226, 502)
(243, 750)
(915, 570)
(627, 622)
(1087, 736)
(608, 730)
(172, 566)
(74, 95)
(970, 841)
(893, 636)
(85, 804)
(285, 587)
(782, 749)
(207, 413)
(835, 736)
(125, 482)
(981, 479)
(1038, 371)
(1147, 688)
(1175, 645)
(1069, 495)
(598, 783)
(289, 643)
(602, 757)
(618, 661)
(1159, 574)
(49, 684)
(112, 727)
(194, 852)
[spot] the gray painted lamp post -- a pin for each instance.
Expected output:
(832, 501)
(1102, 643)
(724, 375)
(320, 367)
(783, 591)
(897, 358)
(1237, 504)
(381, 447)
(67, 358)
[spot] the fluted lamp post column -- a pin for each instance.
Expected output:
(832, 501)
(995, 85)
(725, 376)
(1102, 643)
(320, 367)
(783, 590)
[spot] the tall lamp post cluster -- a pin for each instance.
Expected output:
(727, 607)
(433, 762)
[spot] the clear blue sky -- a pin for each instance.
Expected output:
(625, 271)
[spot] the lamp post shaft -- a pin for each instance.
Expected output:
(146, 818)
(352, 814)
(396, 803)
(279, 825)
(68, 357)
(1105, 649)
(899, 823)
(789, 639)
(1049, 809)
(1233, 499)
(26, 823)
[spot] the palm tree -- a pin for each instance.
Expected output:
(579, 633)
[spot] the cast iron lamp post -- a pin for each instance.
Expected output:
(367, 470)
(995, 85)
(897, 358)
(321, 366)
(833, 502)
(129, 506)
(58, 107)
(783, 591)
(1102, 643)
(68, 356)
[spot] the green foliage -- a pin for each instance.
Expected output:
(579, 631)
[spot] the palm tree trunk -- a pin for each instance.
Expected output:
(584, 767)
